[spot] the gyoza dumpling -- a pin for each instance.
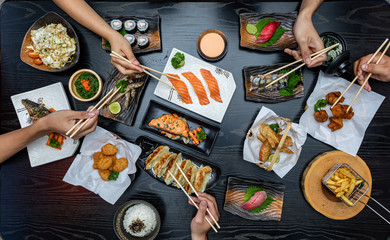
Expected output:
(161, 166)
(184, 166)
(190, 174)
(202, 177)
(172, 167)
(155, 156)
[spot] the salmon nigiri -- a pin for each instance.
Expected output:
(198, 87)
(181, 88)
(212, 84)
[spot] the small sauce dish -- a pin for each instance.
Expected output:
(212, 45)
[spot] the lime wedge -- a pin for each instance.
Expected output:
(251, 29)
(114, 108)
(271, 156)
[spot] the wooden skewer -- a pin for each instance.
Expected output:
(353, 81)
(276, 154)
(115, 54)
(303, 64)
(110, 96)
(368, 77)
(196, 193)
(178, 183)
(301, 60)
(78, 123)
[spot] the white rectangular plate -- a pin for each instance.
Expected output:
(53, 96)
(214, 110)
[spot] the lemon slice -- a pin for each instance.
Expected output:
(271, 156)
(114, 108)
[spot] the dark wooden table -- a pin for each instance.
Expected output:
(37, 204)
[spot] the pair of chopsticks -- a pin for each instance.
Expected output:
(314, 56)
(368, 77)
(193, 189)
(98, 106)
(276, 154)
(118, 56)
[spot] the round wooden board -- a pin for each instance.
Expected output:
(321, 198)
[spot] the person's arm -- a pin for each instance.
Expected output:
(306, 35)
(80, 11)
(60, 122)
(379, 71)
(199, 225)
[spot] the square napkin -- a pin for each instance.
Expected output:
(350, 137)
(82, 174)
(252, 144)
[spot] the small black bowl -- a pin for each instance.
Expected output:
(338, 65)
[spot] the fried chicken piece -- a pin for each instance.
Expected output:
(104, 163)
(349, 114)
(265, 151)
(332, 97)
(321, 116)
(109, 149)
(120, 164)
(96, 158)
(261, 138)
(286, 150)
(336, 123)
(269, 134)
(104, 174)
(341, 111)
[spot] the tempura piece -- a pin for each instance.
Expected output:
(265, 151)
(269, 134)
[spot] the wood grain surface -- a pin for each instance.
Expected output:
(37, 204)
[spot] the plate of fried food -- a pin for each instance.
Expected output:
(264, 137)
(336, 126)
(104, 164)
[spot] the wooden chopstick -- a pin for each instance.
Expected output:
(276, 154)
(368, 77)
(353, 81)
(115, 54)
(303, 64)
(178, 183)
(196, 193)
(300, 60)
(105, 100)
(94, 107)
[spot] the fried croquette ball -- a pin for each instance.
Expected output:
(104, 174)
(332, 97)
(120, 164)
(321, 116)
(104, 163)
(109, 149)
(96, 159)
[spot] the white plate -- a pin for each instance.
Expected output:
(53, 96)
(214, 110)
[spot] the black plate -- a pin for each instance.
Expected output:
(156, 110)
(148, 146)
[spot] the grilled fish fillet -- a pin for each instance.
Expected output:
(171, 123)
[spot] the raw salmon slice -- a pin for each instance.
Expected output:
(181, 88)
(212, 84)
(198, 87)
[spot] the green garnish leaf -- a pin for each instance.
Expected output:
(123, 31)
(261, 24)
(107, 44)
(293, 80)
(250, 191)
(178, 60)
(122, 84)
(113, 175)
(53, 143)
(275, 37)
(274, 127)
(201, 135)
(320, 104)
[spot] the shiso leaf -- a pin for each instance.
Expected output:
(261, 24)
(275, 37)
(250, 191)
(293, 80)
(274, 127)
(123, 31)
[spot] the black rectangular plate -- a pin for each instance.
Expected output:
(148, 146)
(156, 110)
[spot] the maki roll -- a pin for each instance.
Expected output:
(130, 26)
(116, 24)
(142, 26)
(130, 38)
(143, 41)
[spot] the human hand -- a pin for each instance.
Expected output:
(62, 121)
(379, 71)
(121, 46)
(308, 40)
(199, 225)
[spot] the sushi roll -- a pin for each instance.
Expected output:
(116, 24)
(143, 41)
(142, 26)
(130, 38)
(130, 26)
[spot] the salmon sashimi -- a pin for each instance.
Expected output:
(212, 84)
(171, 123)
(198, 87)
(181, 88)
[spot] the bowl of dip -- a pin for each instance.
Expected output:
(85, 85)
(212, 45)
(137, 219)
